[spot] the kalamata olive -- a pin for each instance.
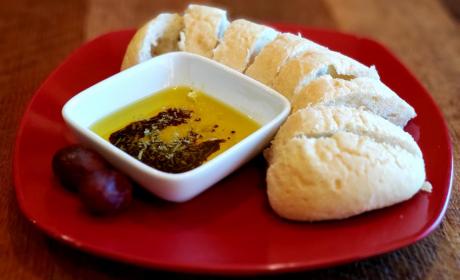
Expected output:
(105, 191)
(71, 164)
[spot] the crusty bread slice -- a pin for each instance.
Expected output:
(159, 35)
(275, 54)
(324, 121)
(301, 70)
(341, 162)
(370, 94)
(336, 177)
(204, 28)
(242, 41)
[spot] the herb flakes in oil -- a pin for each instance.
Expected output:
(141, 139)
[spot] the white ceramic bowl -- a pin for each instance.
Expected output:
(250, 97)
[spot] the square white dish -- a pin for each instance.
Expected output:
(259, 102)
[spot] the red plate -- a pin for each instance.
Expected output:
(229, 229)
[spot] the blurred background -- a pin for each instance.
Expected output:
(431, 27)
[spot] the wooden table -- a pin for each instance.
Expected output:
(35, 36)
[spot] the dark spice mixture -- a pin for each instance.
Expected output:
(141, 140)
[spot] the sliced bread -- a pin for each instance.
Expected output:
(275, 54)
(340, 176)
(242, 41)
(159, 35)
(301, 70)
(363, 92)
(341, 162)
(323, 121)
(204, 28)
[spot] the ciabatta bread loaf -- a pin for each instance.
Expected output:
(204, 28)
(367, 93)
(351, 162)
(159, 35)
(242, 41)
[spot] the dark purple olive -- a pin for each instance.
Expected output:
(71, 164)
(105, 191)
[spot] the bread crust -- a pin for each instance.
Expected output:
(202, 29)
(240, 41)
(132, 52)
(162, 31)
(268, 62)
(335, 162)
(301, 70)
(340, 176)
(318, 121)
(363, 92)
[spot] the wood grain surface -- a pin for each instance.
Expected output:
(37, 35)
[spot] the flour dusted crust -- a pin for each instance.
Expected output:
(303, 69)
(268, 62)
(159, 35)
(339, 176)
(370, 94)
(242, 41)
(204, 28)
(319, 121)
(341, 162)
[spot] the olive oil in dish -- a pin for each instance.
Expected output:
(175, 130)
